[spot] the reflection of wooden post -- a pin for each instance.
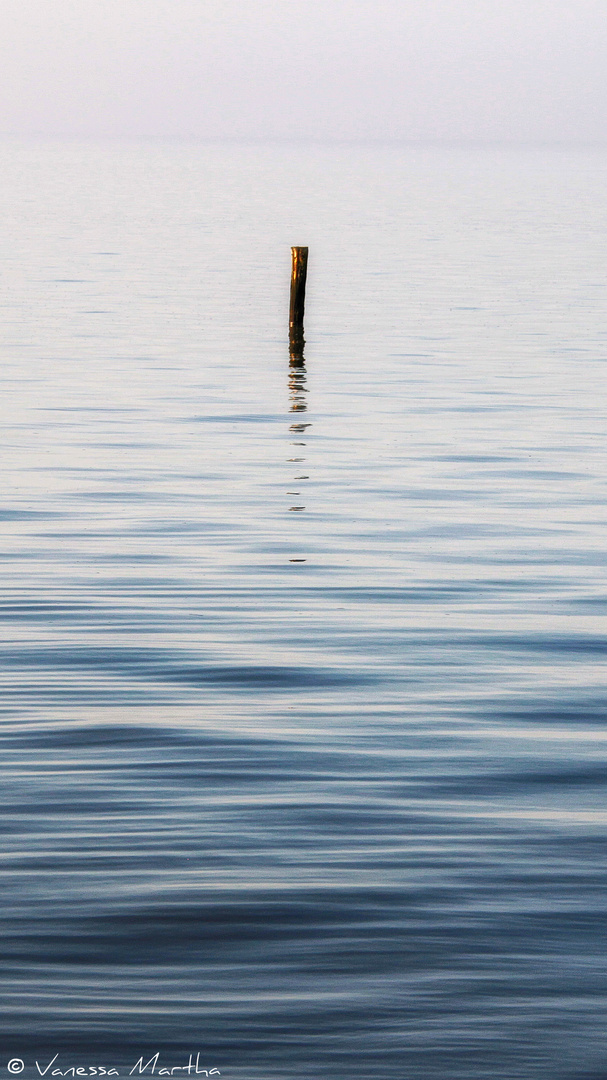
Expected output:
(299, 271)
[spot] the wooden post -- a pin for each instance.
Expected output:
(299, 270)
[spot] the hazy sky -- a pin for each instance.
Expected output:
(522, 70)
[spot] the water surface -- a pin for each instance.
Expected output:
(303, 668)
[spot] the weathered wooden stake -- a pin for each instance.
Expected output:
(299, 270)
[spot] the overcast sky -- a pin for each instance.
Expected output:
(498, 70)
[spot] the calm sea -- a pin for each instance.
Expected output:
(303, 710)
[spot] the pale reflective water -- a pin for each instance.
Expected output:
(303, 677)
